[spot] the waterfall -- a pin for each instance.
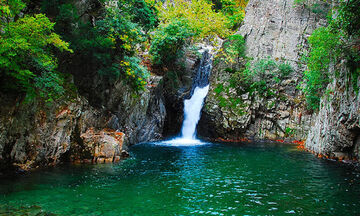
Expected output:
(193, 106)
(192, 111)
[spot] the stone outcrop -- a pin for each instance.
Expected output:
(278, 30)
(37, 134)
(335, 132)
(140, 115)
(99, 146)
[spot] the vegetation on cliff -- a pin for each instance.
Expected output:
(106, 39)
(329, 45)
(27, 52)
(183, 23)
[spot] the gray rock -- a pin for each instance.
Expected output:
(275, 29)
(336, 128)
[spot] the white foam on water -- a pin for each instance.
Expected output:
(182, 142)
(192, 112)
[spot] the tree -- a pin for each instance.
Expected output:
(27, 47)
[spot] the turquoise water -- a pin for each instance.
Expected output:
(214, 179)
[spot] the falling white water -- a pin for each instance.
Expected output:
(193, 106)
(192, 110)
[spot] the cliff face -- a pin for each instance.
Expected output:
(275, 30)
(38, 134)
(140, 116)
(336, 129)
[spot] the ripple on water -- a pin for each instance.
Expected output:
(207, 179)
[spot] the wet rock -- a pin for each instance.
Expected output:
(105, 143)
(124, 154)
(139, 115)
(100, 160)
(117, 158)
(36, 135)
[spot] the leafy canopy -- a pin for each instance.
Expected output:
(198, 14)
(109, 46)
(184, 22)
(234, 10)
(27, 60)
(329, 45)
(168, 41)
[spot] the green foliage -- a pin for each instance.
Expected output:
(259, 77)
(10, 9)
(320, 7)
(289, 131)
(300, 2)
(27, 60)
(233, 50)
(329, 45)
(348, 17)
(323, 43)
(136, 74)
(182, 23)
(121, 37)
(110, 47)
(198, 14)
(234, 103)
(234, 10)
(168, 41)
(261, 68)
(285, 69)
(143, 13)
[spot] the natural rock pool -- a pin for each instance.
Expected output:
(213, 179)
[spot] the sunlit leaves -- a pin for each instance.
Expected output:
(198, 14)
(234, 10)
(26, 51)
(168, 41)
(10, 8)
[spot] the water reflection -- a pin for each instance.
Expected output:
(194, 180)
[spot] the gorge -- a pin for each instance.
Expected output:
(141, 107)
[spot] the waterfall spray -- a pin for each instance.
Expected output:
(193, 106)
(192, 111)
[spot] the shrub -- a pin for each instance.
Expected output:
(234, 10)
(135, 73)
(143, 13)
(198, 14)
(168, 41)
(233, 49)
(28, 44)
(285, 69)
(108, 46)
(329, 45)
(323, 50)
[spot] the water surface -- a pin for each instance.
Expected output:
(213, 179)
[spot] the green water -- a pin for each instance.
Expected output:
(252, 179)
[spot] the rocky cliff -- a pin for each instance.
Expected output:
(276, 31)
(335, 132)
(41, 134)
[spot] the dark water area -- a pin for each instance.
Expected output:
(213, 179)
